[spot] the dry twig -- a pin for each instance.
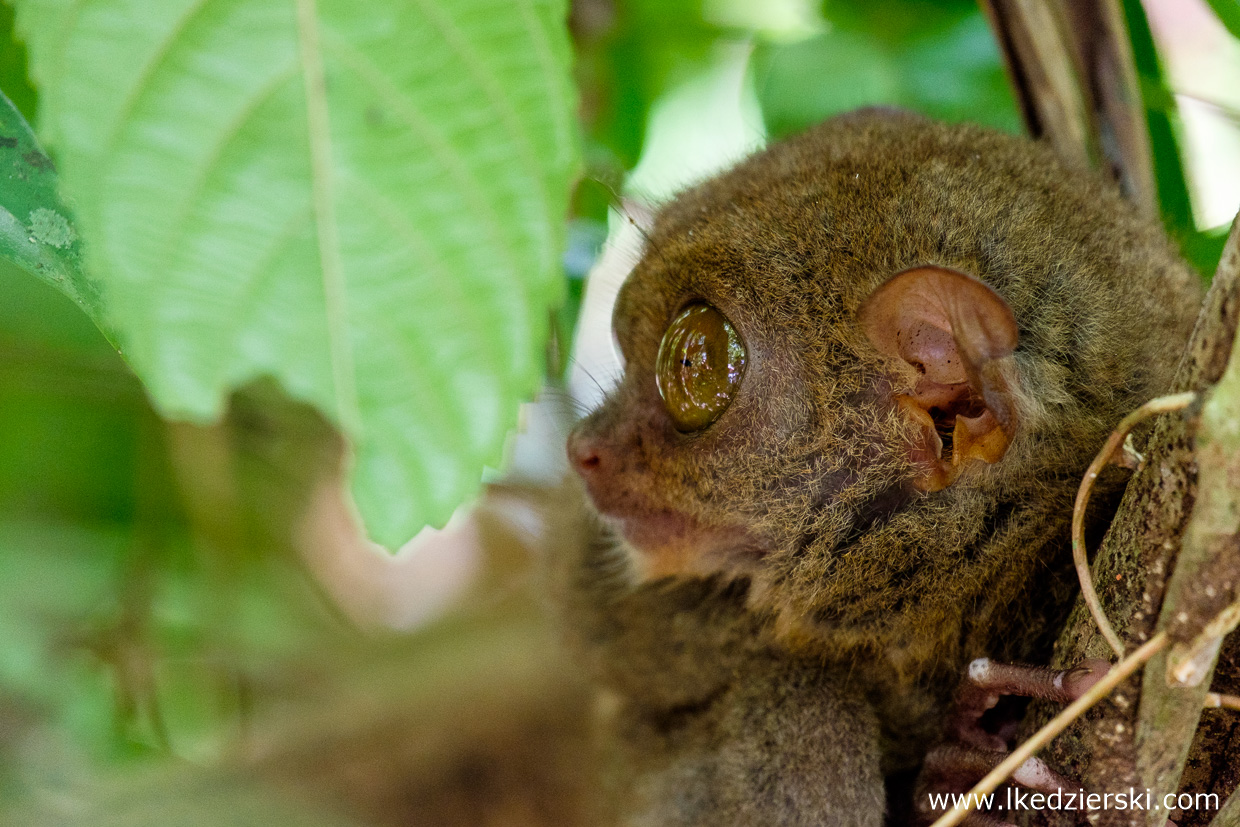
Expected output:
(1163, 404)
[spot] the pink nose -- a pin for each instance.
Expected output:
(584, 455)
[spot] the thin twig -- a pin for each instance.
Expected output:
(1052, 728)
(1215, 700)
(1162, 404)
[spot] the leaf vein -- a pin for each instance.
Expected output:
(142, 82)
(365, 70)
(245, 303)
(231, 130)
(400, 224)
(335, 294)
(486, 78)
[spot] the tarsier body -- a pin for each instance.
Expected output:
(864, 371)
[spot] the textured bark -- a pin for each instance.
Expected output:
(1072, 71)
(1132, 572)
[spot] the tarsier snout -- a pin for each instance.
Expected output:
(585, 455)
(588, 457)
(599, 460)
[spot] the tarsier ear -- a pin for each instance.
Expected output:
(949, 331)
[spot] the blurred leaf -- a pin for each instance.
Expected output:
(363, 200)
(896, 22)
(1202, 249)
(56, 578)
(69, 409)
(67, 450)
(956, 74)
(133, 645)
(173, 795)
(941, 62)
(629, 53)
(36, 314)
(13, 79)
(1160, 109)
(802, 83)
(1228, 11)
(36, 231)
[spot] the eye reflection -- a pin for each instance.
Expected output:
(700, 364)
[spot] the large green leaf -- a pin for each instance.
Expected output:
(363, 199)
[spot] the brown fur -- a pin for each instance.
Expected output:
(801, 491)
(704, 721)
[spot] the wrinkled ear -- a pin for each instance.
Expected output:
(950, 332)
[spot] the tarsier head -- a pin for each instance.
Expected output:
(851, 355)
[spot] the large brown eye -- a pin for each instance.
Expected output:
(701, 361)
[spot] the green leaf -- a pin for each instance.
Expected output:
(626, 59)
(1228, 12)
(1203, 249)
(36, 230)
(362, 199)
(13, 79)
(1163, 119)
(943, 64)
(1163, 122)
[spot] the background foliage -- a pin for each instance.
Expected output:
(151, 576)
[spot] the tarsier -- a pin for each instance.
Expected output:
(863, 373)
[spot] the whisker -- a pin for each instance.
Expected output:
(585, 370)
(577, 407)
(629, 207)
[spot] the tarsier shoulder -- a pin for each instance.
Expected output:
(863, 371)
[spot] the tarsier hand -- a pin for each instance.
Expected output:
(971, 749)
